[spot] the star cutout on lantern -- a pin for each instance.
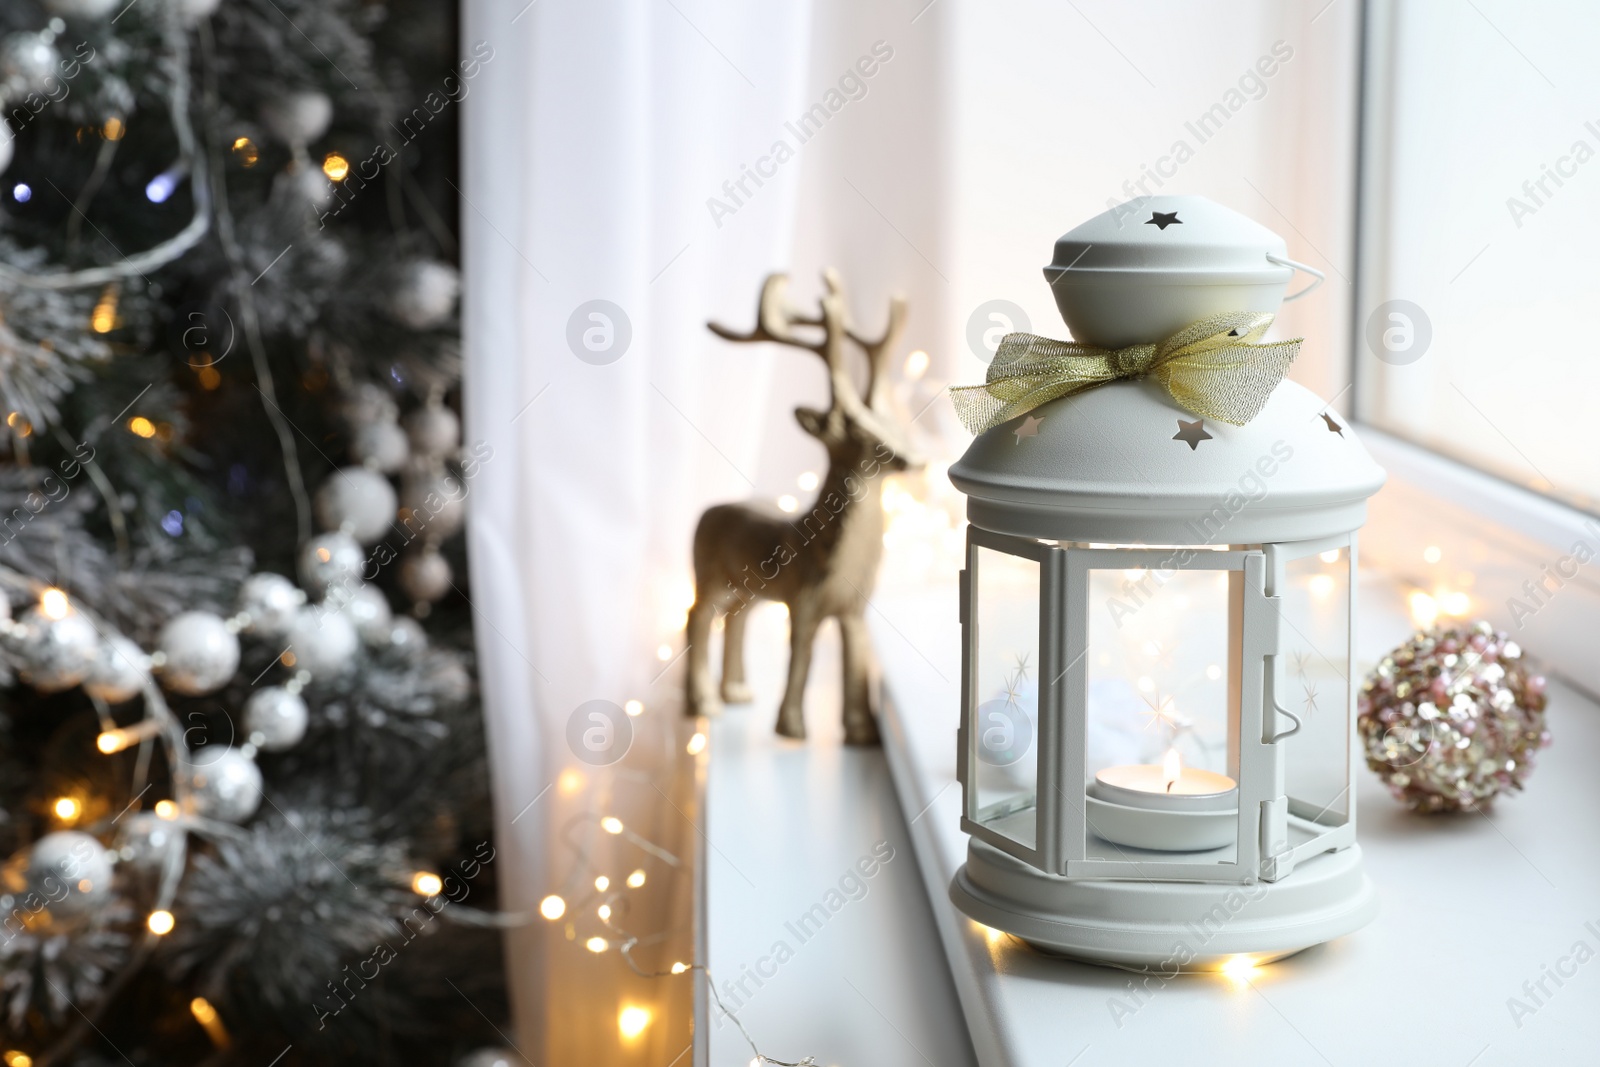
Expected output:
(1192, 433)
(1311, 700)
(1022, 664)
(1333, 427)
(1163, 219)
(1163, 714)
(1029, 427)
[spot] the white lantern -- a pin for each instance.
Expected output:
(1157, 719)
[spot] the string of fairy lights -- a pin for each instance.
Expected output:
(588, 888)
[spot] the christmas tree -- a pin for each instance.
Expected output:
(243, 789)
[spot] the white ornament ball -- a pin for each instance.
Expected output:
(327, 560)
(81, 9)
(425, 576)
(27, 64)
(383, 446)
(357, 501)
(56, 654)
(433, 501)
(297, 119)
(368, 610)
(200, 653)
(146, 840)
(425, 293)
(119, 672)
(70, 869)
(434, 431)
(370, 402)
(324, 642)
(407, 635)
(275, 719)
(271, 601)
(225, 784)
(490, 1057)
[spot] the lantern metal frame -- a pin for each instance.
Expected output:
(1276, 831)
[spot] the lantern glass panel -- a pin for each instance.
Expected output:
(1312, 680)
(1158, 680)
(1004, 761)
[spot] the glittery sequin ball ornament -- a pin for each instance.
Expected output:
(1451, 719)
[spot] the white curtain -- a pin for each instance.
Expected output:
(605, 147)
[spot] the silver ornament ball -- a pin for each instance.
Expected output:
(146, 840)
(380, 445)
(432, 500)
(327, 560)
(225, 784)
(407, 635)
(27, 64)
(368, 610)
(425, 293)
(297, 119)
(368, 403)
(434, 431)
(199, 653)
(324, 642)
(275, 719)
(70, 869)
(271, 601)
(56, 653)
(357, 501)
(425, 576)
(119, 672)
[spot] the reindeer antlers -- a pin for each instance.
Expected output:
(776, 319)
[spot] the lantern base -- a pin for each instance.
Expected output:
(1166, 926)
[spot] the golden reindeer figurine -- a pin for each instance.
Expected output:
(823, 562)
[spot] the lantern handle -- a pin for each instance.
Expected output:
(1282, 734)
(1317, 276)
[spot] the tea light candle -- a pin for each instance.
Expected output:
(1170, 808)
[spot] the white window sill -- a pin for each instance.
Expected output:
(1472, 906)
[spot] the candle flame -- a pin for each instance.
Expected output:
(1171, 769)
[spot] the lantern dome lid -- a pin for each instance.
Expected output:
(1124, 464)
(1163, 235)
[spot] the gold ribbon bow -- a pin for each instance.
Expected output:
(1215, 368)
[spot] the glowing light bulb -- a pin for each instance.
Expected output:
(679, 967)
(696, 745)
(54, 604)
(1239, 968)
(245, 151)
(1213, 672)
(636, 879)
(570, 781)
(67, 809)
(597, 945)
(1321, 585)
(631, 1021)
(664, 653)
(602, 883)
(335, 166)
(140, 426)
(426, 884)
(788, 504)
(1145, 684)
(808, 481)
(113, 129)
(1424, 609)
(1432, 554)
(160, 188)
(166, 809)
(552, 907)
(19, 424)
(161, 922)
(634, 708)
(1455, 603)
(917, 364)
(611, 824)
(1330, 556)
(202, 1010)
(18, 1059)
(604, 911)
